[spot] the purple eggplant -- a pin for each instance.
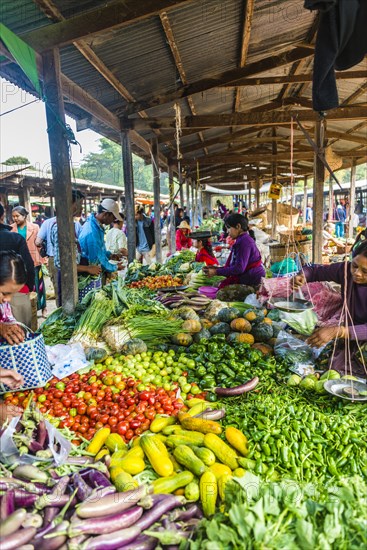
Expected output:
(210, 414)
(111, 504)
(24, 499)
(79, 460)
(29, 472)
(12, 522)
(56, 498)
(161, 507)
(107, 524)
(33, 520)
(184, 515)
(141, 543)
(98, 479)
(7, 504)
(49, 515)
(34, 447)
(238, 390)
(21, 536)
(84, 490)
(112, 541)
(76, 542)
(55, 538)
(42, 434)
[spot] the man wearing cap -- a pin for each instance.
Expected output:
(92, 236)
(183, 236)
(145, 238)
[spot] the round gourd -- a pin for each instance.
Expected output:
(191, 325)
(241, 325)
(255, 315)
(262, 332)
(205, 323)
(266, 349)
(220, 328)
(187, 313)
(134, 346)
(227, 314)
(204, 333)
(240, 338)
(182, 339)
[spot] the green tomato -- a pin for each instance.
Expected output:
(186, 388)
(174, 377)
(195, 390)
(160, 364)
(72, 412)
(182, 380)
(42, 398)
(169, 370)
(144, 354)
(191, 364)
(141, 387)
(183, 396)
(157, 380)
(171, 352)
(60, 386)
(167, 386)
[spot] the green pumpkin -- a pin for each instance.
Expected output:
(134, 346)
(228, 314)
(204, 333)
(220, 328)
(262, 332)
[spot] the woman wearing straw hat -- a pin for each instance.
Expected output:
(183, 240)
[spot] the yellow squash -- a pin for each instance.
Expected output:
(208, 493)
(237, 439)
(157, 454)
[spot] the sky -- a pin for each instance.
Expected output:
(24, 131)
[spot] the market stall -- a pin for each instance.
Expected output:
(184, 404)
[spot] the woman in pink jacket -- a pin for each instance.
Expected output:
(29, 231)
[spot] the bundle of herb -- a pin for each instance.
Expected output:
(287, 515)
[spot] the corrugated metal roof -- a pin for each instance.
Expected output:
(208, 36)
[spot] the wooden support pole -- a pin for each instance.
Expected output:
(352, 200)
(274, 205)
(171, 229)
(200, 204)
(318, 193)
(249, 195)
(196, 209)
(127, 165)
(257, 188)
(305, 183)
(25, 200)
(181, 189)
(59, 154)
(157, 201)
(331, 200)
(187, 197)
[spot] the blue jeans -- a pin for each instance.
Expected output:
(339, 229)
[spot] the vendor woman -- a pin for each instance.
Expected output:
(353, 280)
(183, 240)
(205, 254)
(244, 265)
(12, 278)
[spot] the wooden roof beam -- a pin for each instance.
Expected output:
(346, 137)
(246, 35)
(293, 79)
(178, 62)
(227, 77)
(112, 15)
(271, 118)
(49, 8)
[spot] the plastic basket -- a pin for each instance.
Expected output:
(93, 285)
(28, 359)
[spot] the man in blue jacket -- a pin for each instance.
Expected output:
(92, 236)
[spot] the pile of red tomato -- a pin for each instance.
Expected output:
(84, 404)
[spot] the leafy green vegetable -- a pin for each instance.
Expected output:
(287, 515)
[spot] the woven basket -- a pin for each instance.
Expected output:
(285, 215)
(279, 251)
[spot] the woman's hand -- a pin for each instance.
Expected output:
(12, 333)
(123, 251)
(11, 378)
(324, 335)
(7, 412)
(298, 281)
(94, 270)
(210, 271)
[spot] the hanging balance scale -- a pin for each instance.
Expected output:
(352, 390)
(296, 303)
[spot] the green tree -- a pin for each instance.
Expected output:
(106, 167)
(13, 161)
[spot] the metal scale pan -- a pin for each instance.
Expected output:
(337, 389)
(294, 305)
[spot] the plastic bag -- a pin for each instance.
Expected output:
(252, 300)
(295, 353)
(9, 453)
(303, 322)
(66, 359)
(288, 265)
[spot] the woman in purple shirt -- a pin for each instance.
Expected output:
(353, 280)
(244, 265)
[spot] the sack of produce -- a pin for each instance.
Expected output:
(294, 353)
(30, 438)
